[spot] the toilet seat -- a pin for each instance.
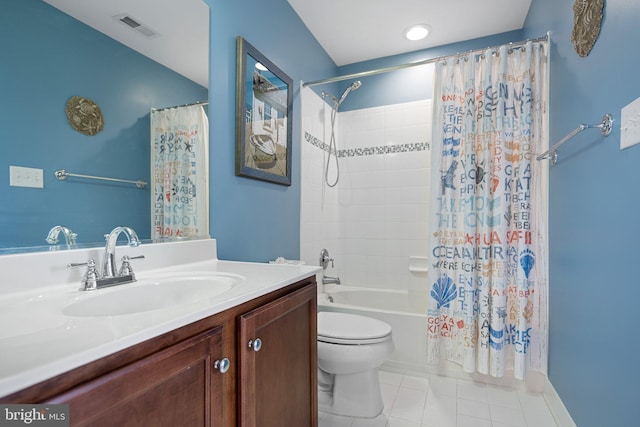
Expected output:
(351, 329)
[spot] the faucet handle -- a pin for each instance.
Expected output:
(90, 279)
(325, 259)
(125, 268)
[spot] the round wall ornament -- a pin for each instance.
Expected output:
(84, 115)
(587, 20)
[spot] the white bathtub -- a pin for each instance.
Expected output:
(406, 313)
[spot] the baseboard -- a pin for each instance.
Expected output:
(557, 408)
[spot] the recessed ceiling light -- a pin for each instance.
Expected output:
(417, 32)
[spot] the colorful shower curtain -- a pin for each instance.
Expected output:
(488, 282)
(179, 172)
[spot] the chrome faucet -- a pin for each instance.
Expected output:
(69, 235)
(324, 262)
(109, 258)
(93, 279)
(328, 279)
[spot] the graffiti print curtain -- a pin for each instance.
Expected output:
(487, 284)
(179, 172)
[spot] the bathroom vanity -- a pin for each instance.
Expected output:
(245, 357)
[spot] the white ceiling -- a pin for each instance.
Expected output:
(182, 43)
(358, 30)
(349, 30)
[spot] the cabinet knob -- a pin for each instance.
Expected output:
(222, 365)
(255, 345)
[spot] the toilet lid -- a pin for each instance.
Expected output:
(343, 328)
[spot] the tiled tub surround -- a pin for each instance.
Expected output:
(377, 215)
(369, 151)
(42, 342)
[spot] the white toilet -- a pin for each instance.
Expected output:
(350, 350)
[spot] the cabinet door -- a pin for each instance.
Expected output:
(278, 380)
(177, 386)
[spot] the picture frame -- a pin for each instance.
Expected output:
(264, 104)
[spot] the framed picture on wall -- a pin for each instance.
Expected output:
(264, 101)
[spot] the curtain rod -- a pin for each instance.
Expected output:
(418, 63)
(183, 105)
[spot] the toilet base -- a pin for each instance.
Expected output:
(354, 395)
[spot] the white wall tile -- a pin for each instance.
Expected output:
(375, 119)
(378, 213)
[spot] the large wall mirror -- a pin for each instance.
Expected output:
(124, 55)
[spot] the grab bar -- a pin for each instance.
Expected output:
(62, 175)
(605, 127)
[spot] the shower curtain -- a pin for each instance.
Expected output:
(179, 172)
(488, 281)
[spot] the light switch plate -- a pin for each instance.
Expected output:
(630, 125)
(25, 177)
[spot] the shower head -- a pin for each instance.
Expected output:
(353, 86)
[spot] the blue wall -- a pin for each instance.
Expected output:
(254, 220)
(45, 58)
(593, 217)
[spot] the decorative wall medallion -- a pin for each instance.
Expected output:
(587, 20)
(84, 115)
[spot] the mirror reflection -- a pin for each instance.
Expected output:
(49, 57)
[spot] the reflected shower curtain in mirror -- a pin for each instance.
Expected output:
(179, 172)
(488, 281)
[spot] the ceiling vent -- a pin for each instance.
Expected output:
(135, 25)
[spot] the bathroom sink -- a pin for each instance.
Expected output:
(152, 294)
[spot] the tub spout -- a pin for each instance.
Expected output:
(326, 280)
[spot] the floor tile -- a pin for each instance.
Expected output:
(436, 401)
(399, 422)
(443, 385)
(389, 394)
(392, 378)
(379, 421)
(473, 408)
(409, 404)
(330, 420)
(415, 383)
(441, 412)
(539, 419)
(503, 397)
(530, 402)
(469, 421)
(509, 416)
(472, 391)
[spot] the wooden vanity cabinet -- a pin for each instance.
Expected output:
(278, 362)
(172, 380)
(180, 377)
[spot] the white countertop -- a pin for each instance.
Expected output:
(38, 341)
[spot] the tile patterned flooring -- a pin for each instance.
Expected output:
(434, 401)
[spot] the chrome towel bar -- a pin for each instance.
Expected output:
(62, 175)
(605, 127)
